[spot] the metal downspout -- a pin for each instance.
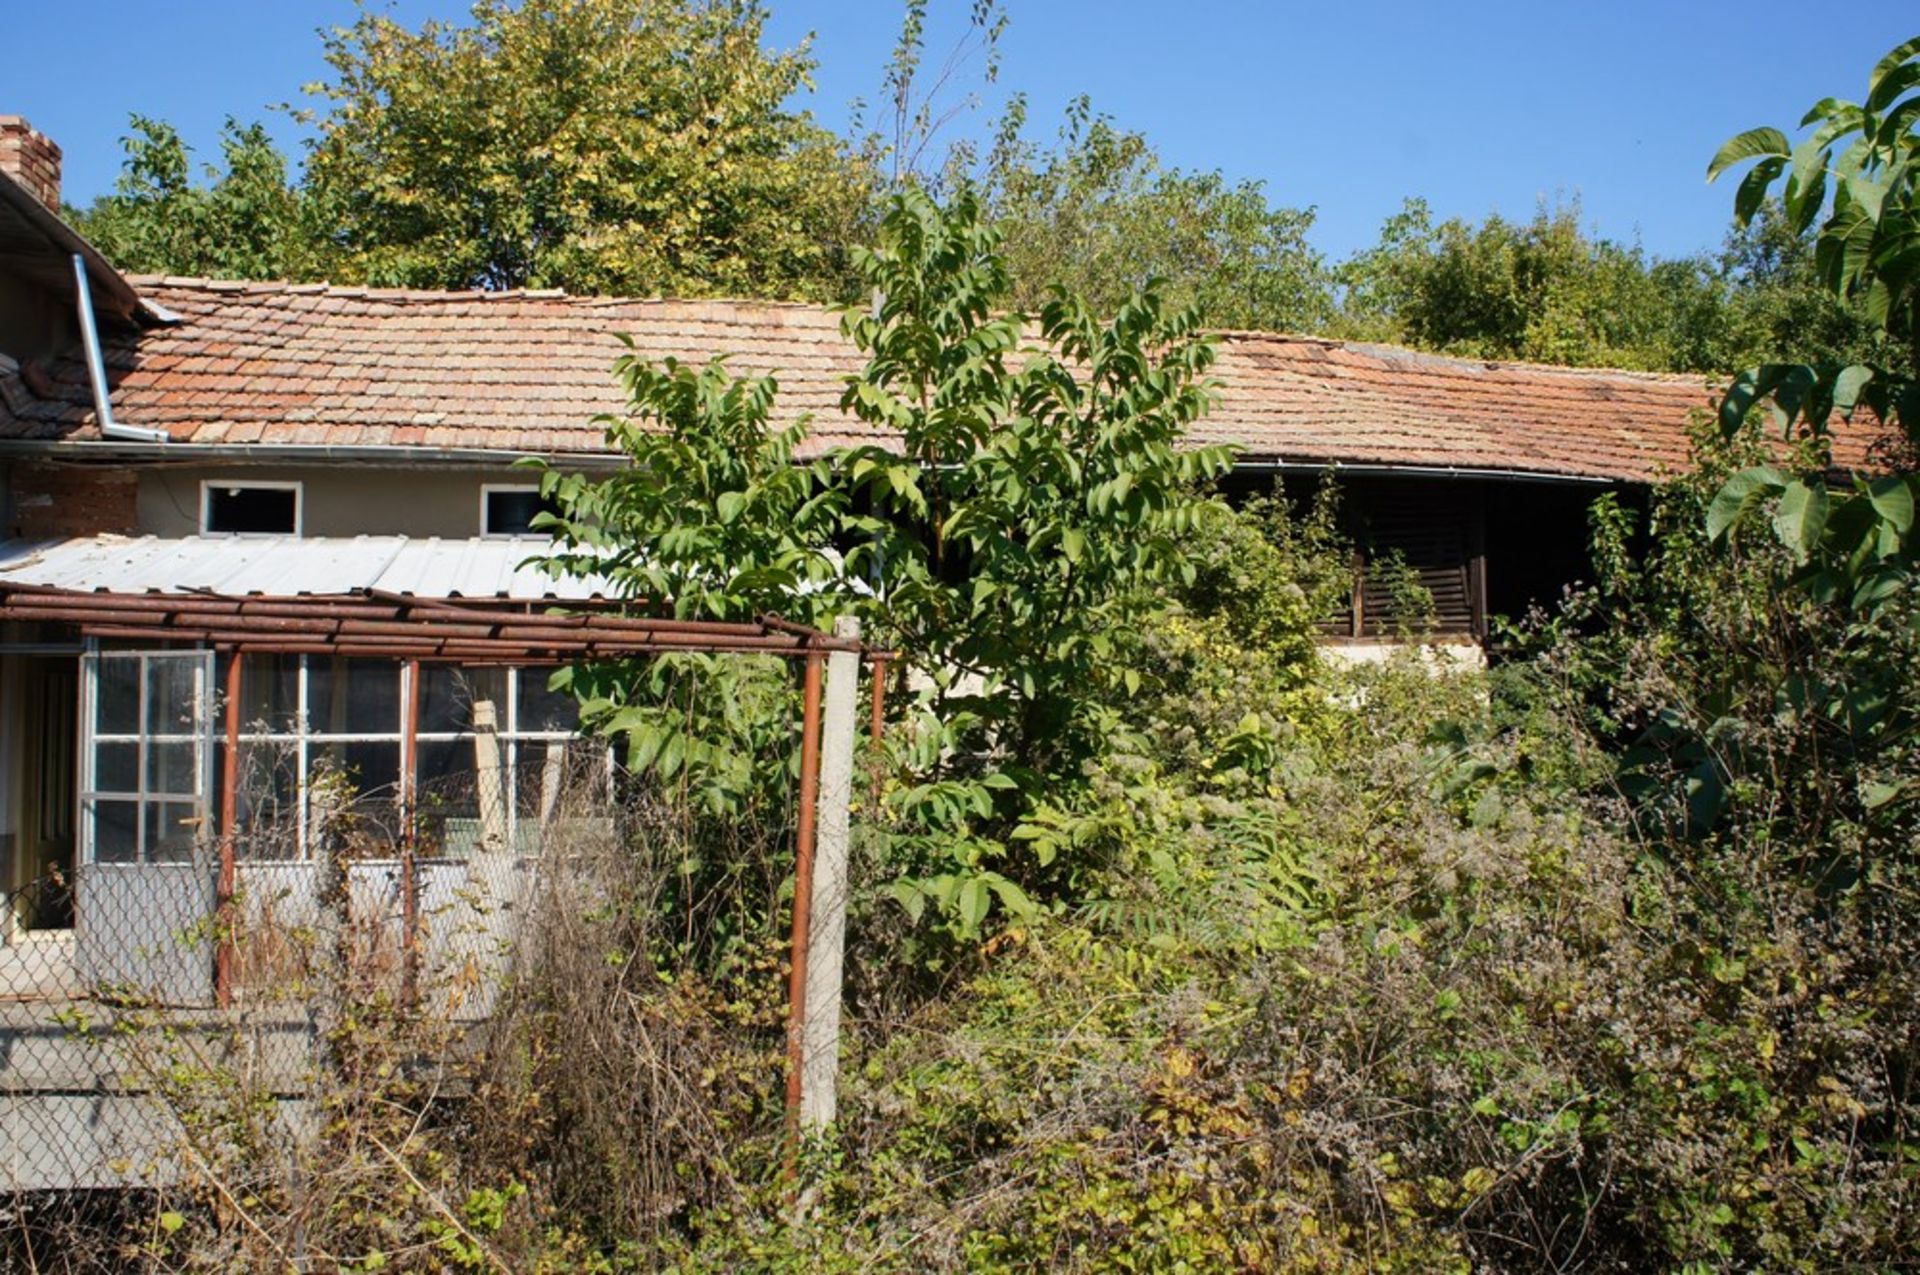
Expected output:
(97, 366)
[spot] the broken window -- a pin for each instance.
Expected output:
(250, 509)
(510, 511)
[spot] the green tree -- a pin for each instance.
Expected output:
(604, 146)
(245, 221)
(1031, 507)
(1861, 203)
(1778, 307)
(1541, 290)
(1008, 544)
(1851, 183)
(1100, 213)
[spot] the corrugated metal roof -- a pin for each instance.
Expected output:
(236, 566)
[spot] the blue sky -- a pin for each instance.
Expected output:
(1476, 105)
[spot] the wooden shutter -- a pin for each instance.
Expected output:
(1434, 528)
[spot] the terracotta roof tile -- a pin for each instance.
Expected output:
(284, 363)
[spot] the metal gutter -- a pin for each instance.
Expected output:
(97, 365)
(115, 450)
(1427, 471)
(105, 450)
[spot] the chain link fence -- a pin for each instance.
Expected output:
(214, 971)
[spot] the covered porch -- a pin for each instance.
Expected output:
(208, 744)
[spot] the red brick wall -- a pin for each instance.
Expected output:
(30, 158)
(52, 501)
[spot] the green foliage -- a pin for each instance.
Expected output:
(1030, 511)
(1484, 1028)
(1101, 214)
(1009, 544)
(1542, 291)
(1264, 573)
(1861, 193)
(1777, 307)
(1852, 182)
(635, 147)
(1849, 550)
(711, 517)
(247, 221)
(1546, 291)
(1762, 686)
(611, 146)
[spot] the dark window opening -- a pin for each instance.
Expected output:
(510, 511)
(1418, 550)
(253, 511)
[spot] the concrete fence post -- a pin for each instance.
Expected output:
(827, 931)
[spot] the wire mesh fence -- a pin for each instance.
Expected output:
(224, 963)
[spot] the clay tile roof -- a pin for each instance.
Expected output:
(269, 362)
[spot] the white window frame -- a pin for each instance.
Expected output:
(298, 488)
(486, 490)
(199, 733)
(306, 742)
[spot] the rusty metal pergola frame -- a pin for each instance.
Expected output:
(415, 631)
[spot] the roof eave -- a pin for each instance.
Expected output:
(1419, 469)
(106, 450)
(111, 450)
(112, 294)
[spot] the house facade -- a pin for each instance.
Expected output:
(302, 500)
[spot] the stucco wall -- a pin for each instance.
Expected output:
(1443, 654)
(339, 501)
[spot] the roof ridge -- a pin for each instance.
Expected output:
(1406, 352)
(447, 296)
(285, 287)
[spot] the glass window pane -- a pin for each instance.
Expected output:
(445, 771)
(542, 709)
(561, 776)
(172, 695)
(510, 511)
(449, 797)
(371, 769)
(375, 769)
(353, 798)
(267, 800)
(173, 830)
(252, 511)
(116, 767)
(353, 697)
(115, 827)
(449, 692)
(171, 768)
(117, 696)
(269, 693)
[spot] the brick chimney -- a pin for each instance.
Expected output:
(30, 158)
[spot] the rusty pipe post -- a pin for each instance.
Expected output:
(229, 836)
(409, 881)
(803, 883)
(876, 735)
